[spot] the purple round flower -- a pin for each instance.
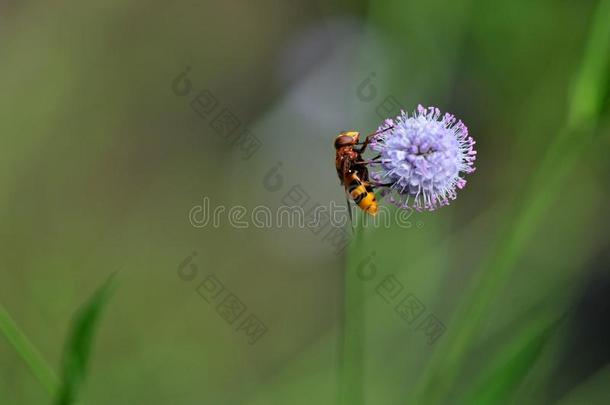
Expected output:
(422, 158)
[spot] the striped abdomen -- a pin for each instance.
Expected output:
(362, 193)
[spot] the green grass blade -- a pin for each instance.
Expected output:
(504, 374)
(583, 114)
(28, 352)
(78, 348)
(353, 333)
(591, 82)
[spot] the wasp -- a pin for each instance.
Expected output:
(352, 171)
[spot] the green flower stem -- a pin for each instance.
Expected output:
(583, 115)
(353, 333)
(28, 352)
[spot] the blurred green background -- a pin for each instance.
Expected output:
(101, 162)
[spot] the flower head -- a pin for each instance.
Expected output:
(422, 158)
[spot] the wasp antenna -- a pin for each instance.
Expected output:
(381, 131)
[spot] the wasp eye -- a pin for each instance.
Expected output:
(344, 140)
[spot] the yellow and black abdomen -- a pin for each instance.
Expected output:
(362, 193)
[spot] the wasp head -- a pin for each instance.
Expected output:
(346, 138)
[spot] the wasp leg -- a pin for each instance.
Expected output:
(368, 138)
(383, 189)
(372, 161)
(376, 157)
